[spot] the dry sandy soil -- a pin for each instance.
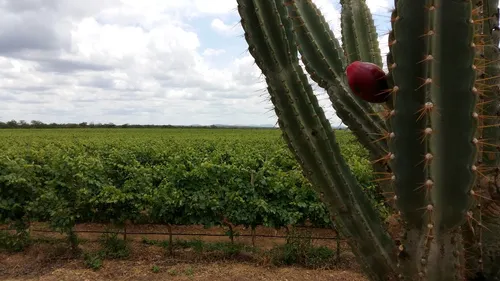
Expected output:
(54, 262)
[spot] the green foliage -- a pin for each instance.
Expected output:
(300, 250)
(14, 242)
(172, 272)
(93, 260)
(113, 247)
(175, 176)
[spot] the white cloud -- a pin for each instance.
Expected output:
(216, 7)
(383, 42)
(128, 61)
(213, 52)
(380, 6)
(219, 26)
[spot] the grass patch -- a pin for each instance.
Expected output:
(14, 242)
(299, 250)
(111, 248)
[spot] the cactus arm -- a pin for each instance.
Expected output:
(408, 145)
(489, 88)
(320, 48)
(360, 38)
(482, 241)
(310, 136)
(322, 58)
(432, 105)
(377, 149)
(428, 97)
(359, 34)
(361, 117)
(490, 214)
(316, 43)
(360, 43)
(349, 43)
(453, 118)
(321, 51)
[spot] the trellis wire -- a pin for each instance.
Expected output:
(335, 237)
(183, 234)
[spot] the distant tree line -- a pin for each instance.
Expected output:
(35, 124)
(13, 124)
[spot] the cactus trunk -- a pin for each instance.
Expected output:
(438, 153)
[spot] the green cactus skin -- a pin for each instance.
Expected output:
(359, 36)
(433, 113)
(454, 122)
(491, 133)
(442, 75)
(482, 241)
(419, 107)
(358, 33)
(407, 145)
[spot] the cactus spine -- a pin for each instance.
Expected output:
(439, 150)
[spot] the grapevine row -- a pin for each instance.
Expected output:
(174, 177)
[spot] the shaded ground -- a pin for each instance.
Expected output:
(223, 271)
(52, 260)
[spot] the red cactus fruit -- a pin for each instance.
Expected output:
(368, 81)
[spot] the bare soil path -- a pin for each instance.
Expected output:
(55, 262)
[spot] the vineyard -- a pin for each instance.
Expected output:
(209, 177)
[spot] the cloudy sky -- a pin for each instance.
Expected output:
(137, 61)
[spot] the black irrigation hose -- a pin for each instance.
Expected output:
(183, 234)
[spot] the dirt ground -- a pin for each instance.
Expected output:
(223, 271)
(54, 261)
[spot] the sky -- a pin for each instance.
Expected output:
(178, 62)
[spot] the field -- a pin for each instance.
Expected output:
(237, 180)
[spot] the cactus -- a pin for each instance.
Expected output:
(434, 142)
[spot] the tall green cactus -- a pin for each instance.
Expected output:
(439, 150)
